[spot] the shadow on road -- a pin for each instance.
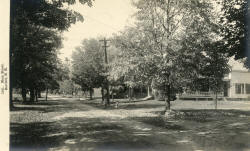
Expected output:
(222, 129)
(73, 133)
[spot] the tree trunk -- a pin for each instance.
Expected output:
(102, 91)
(132, 93)
(141, 95)
(112, 97)
(46, 96)
(167, 99)
(11, 99)
(24, 94)
(107, 103)
(112, 94)
(39, 94)
(167, 104)
(90, 94)
(36, 96)
(129, 94)
(149, 91)
(32, 95)
(215, 101)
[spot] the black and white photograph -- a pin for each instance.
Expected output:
(125, 75)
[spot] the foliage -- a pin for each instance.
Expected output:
(168, 45)
(88, 65)
(34, 40)
(215, 66)
(67, 87)
(235, 29)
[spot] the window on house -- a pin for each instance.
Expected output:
(247, 88)
(239, 88)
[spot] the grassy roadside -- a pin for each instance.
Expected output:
(227, 128)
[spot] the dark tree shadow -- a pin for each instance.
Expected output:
(218, 112)
(31, 136)
(159, 122)
(46, 106)
(15, 108)
(127, 106)
(139, 106)
(41, 136)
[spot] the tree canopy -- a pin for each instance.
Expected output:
(168, 45)
(35, 27)
(88, 65)
(235, 29)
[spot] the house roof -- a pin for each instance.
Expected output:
(237, 65)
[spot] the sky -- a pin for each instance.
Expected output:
(104, 18)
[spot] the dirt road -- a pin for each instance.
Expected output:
(64, 124)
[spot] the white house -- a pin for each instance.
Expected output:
(237, 84)
(238, 81)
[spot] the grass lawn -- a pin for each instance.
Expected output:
(227, 128)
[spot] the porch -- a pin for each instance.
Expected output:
(200, 95)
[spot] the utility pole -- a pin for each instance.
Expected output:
(107, 102)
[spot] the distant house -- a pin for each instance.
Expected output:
(238, 81)
(237, 85)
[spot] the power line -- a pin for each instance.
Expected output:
(107, 25)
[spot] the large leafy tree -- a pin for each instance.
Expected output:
(88, 69)
(132, 64)
(34, 39)
(167, 45)
(215, 66)
(33, 64)
(235, 29)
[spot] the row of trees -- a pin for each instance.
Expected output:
(35, 37)
(177, 43)
(172, 45)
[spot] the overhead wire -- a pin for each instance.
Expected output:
(107, 25)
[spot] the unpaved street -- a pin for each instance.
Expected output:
(66, 124)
